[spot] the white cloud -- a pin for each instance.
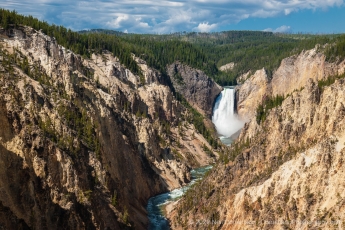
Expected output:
(116, 23)
(205, 27)
(281, 29)
(164, 16)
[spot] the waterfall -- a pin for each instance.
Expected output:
(224, 116)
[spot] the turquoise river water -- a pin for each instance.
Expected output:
(156, 203)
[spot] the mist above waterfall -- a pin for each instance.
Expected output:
(224, 117)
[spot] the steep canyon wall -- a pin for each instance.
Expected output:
(84, 142)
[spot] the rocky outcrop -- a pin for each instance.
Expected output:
(242, 78)
(286, 172)
(195, 86)
(227, 67)
(292, 74)
(251, 93)
(84, 142)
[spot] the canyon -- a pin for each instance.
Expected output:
(284, 171)
(84, 142)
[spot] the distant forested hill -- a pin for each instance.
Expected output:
(249, 50)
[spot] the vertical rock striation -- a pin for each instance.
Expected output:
(292, 74)
(84, 142)
(194, 85)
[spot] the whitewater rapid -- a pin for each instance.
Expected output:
(155, 204)
(224, 117)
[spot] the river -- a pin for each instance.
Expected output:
(157, 203)
(227, 124)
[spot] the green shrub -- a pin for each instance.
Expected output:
(114, 199)
(329, 81)
(268, 104)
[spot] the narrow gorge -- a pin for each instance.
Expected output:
(228, 126)
(101, 129)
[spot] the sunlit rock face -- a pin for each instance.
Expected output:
(83, 142)
(292, 74)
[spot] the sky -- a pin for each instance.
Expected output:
(169, 16)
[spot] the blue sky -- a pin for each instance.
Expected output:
(166, 16)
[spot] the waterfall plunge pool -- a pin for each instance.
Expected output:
(157, 203)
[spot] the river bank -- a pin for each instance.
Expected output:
(162, 204)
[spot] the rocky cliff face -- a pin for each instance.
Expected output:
(292, 75)
(250, 94)
(198, 89)
(285, 173)
(227, 67)
(84, 142)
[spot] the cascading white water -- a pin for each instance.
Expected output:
(154, 207)
(224, 117)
